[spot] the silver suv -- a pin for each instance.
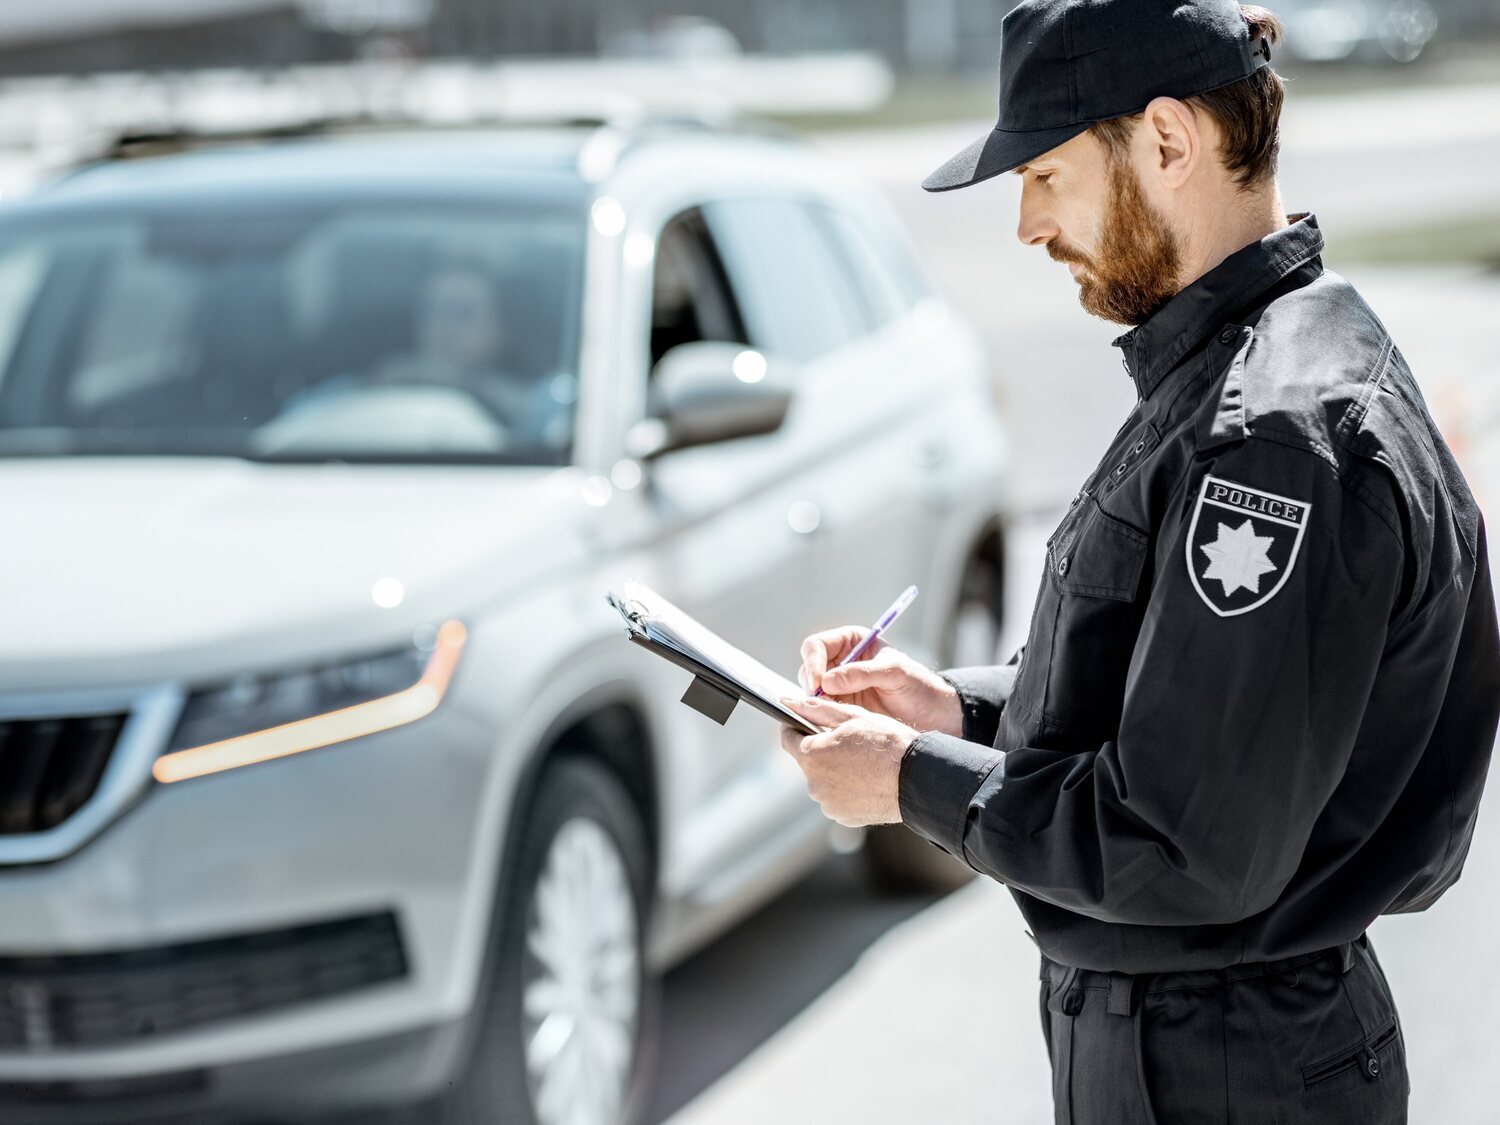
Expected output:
(327, 775)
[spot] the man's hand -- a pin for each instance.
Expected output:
(883, 680)
(853, 770)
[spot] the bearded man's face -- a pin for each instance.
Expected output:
(1086, 205)
(1136, 261)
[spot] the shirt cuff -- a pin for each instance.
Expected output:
(939, 777)
(982, 693)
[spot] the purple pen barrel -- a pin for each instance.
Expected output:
(886, 620)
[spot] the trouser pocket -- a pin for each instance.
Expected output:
(1307, 1044)
(1350, 1060)
(1092, 1023)
(1370, 1056)
(1062, 1000)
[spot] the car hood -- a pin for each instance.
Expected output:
(118, 571)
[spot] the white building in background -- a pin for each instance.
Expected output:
(89, 36)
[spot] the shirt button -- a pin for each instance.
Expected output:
(1062, 566)
(1228, 336)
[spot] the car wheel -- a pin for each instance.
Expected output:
(568, 1018)
(900, 861)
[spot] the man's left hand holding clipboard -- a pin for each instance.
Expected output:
(722, 674)
(849, 744)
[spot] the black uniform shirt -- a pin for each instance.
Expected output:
(1260, 690)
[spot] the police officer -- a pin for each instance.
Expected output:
(1260, 691)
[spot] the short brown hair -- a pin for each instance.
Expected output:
(1248, 113)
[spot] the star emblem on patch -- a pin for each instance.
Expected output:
(1242, 544)
(1238, 558)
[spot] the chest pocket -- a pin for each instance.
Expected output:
(1083, 631)
(1094, 555)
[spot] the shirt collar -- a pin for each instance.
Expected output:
(1151, 349)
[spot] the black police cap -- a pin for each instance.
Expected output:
(1065, 64)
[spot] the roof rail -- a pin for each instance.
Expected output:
(138, 144)
(627, 126)
(86, 118)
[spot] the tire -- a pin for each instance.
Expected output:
(582, 842)
(899, 861)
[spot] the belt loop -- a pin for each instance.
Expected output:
(1346, 956)
(1122, 994)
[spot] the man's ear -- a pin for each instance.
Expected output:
(1170, 128)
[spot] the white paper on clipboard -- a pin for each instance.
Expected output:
(663, 624)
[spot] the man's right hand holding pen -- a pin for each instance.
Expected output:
(884, 680)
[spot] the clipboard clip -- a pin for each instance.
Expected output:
(710, 699)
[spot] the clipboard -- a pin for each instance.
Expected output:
(722, 674)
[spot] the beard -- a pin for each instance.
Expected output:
(1138, 260)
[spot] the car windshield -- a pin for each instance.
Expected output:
(417, 331)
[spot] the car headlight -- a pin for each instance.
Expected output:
(255, 719)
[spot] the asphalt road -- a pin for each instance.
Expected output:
(834, 1005)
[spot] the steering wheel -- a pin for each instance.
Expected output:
(507, 417)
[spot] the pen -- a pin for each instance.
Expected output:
(908, 596)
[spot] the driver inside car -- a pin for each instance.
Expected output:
(459, 336)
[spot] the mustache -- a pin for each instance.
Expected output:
(1064, 254)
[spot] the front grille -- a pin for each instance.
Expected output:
(91, 999)
(50, 767)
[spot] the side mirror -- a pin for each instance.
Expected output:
(706, 392)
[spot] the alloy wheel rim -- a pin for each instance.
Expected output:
(580, 988)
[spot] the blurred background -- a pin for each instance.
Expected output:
(829, 1000)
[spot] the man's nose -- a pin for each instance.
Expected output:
(1036, 227)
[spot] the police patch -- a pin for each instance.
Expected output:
(1242, 544)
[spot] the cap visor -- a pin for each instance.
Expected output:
(998, 151)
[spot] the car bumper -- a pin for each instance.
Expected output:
(207, 876)
(347, 1082)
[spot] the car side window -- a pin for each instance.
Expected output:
(690, 294)
(910, 274)
(870, 272)
(796, 297)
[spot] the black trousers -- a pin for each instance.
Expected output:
(1307, 1040)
